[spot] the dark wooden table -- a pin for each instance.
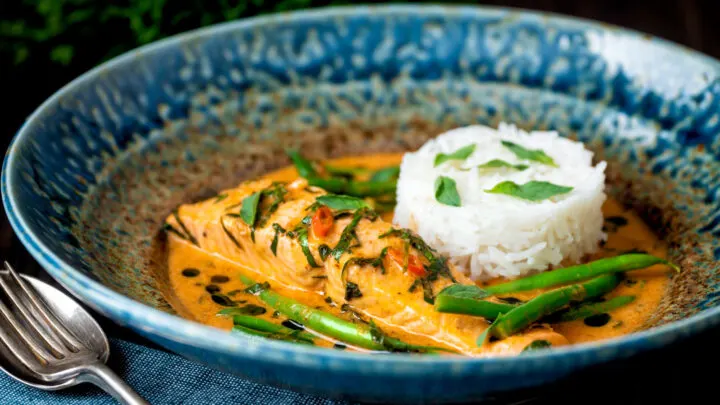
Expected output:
(681, 373)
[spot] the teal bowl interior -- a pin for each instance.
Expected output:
(94, 171)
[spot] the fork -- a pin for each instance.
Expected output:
(45, 350)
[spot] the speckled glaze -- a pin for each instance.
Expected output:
(93, 172)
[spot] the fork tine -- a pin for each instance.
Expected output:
(41, 309)
(46, 335)
(41, 354)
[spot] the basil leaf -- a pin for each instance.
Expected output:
(460, 154)
(257, 288)
(446, 191)
(537, 345)
(531, 191)
(303, 239)
(187, 233)
(248, 211)
(304, 167)
(278, 230)
(276, 195)
(497, 163)
(386, 174)
(347, 236)
(324, 251)
(230, 235)
(352, 291)
(342, 202)
(535, 155)
(464, 291)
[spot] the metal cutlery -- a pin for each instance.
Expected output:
(50, 342)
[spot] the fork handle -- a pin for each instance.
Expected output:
(102, 376)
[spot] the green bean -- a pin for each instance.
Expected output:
(545, 304)
(580, 272)
(353, 188)
(347, 172)
(361, 335)
(278, 336)
(589, 309)
(261, 325)
(341, 181)
(304, 167)
(468, 306)
(386, 174)
(249, 331)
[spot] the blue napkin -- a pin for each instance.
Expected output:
(161, 378)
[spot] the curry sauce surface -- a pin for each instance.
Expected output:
(192, 290)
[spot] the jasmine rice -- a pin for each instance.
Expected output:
(527, 201)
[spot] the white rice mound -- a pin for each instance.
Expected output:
(497, 235)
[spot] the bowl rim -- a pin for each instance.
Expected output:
(180, 330)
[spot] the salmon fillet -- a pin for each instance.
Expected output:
(282, 250)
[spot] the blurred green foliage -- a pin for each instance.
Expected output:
(46, 43)
(61, 30)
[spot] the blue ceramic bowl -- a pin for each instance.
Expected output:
(93, 172)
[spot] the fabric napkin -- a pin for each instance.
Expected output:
(161, 378)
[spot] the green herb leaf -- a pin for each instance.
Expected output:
(497, 164)
(352, 291)
(531, 191)
(324, 251)
(229, 235)
(428, 295)
(257, 288)
(278, 230)
(303, 240)
(460, 154)
(438, 264)
(342, 202)
(376, 262)
(304, 167)
(386, 174)
(536, 155)
(248, 211)
(348, 234)
(537, 345)
(169, 228)
(220, 198)
(189, 236)
(464, 291)
(277, 194)
(446, 191)
(249, 309)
